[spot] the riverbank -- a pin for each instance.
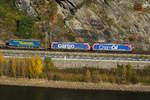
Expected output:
(72, 85)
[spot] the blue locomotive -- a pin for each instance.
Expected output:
(70, 46)
(112, 47)
(24, 43)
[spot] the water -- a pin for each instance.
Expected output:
(32, 93)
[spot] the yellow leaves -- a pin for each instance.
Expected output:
(13, 66)
(1, 59)
(37, 22)
(36, 66)
(1, 63)
(27, 67)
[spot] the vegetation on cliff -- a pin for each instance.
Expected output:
(15, 22)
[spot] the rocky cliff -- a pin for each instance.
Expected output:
(115, 21)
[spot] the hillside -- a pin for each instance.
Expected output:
(117, 21)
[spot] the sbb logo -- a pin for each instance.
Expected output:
(114, 47)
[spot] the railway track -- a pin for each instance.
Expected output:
(79, 51)
(81, 59)
(70, 53)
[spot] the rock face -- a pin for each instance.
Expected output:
(114, 21)
(110, 21)
(25, 6)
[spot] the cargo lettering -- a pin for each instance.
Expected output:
(113, 47)
(66, 46)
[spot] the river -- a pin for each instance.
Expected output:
(34, 93)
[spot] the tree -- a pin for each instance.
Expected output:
(6, 70)
(124, 75)
(95, 76)
(35, 67)
(1, 63)
(13, 67)
(38, 66)
(25, 27)
(129, 72)
(31, 67)
(87, 76)
(24, 67)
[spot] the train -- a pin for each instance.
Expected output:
(72, 46)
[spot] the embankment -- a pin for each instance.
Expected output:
(72, 85)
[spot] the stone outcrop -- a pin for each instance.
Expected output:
(25, 6)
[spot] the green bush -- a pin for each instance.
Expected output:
(70, 37)
(48, 65)
(2, 12)
(57, 77)
(25, 27)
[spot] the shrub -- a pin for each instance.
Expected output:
(49, 75)
(88, 2)
(2, 12)
(87, 76)
(124, 75)
(105, 77)
(138, 6)
(70, 37)
(129, 72)
(146, 71)
(48, 64)
(56, 77)
(95, 76)
(132, 38)
(134, 78)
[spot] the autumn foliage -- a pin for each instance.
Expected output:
(138, 6)
(132, 38)
(1, 63)
(25, 67)
(34, 67)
